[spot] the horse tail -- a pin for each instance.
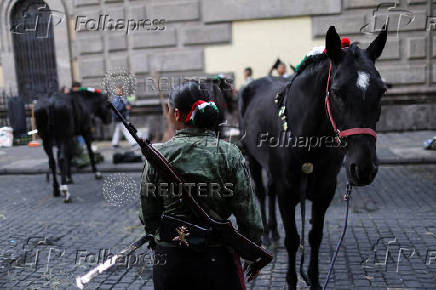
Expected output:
(244, 97)
(51, 115)
(42, 119)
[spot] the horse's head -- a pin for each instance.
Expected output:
(96, 103)
(226, 86)
(102, 110)
(355, 92)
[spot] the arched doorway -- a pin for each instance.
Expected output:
(34, 50)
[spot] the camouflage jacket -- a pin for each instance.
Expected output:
(221, 178)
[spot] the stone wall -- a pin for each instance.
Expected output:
(192, 26)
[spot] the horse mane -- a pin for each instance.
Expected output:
(317, 58)
(310, 61)
(307, 63)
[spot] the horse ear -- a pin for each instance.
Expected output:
(376, 47)
(333, 44)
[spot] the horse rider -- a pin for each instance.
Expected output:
(219, 168)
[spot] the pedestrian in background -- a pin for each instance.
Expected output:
(280, 68)
(121, 103)
(248, 75)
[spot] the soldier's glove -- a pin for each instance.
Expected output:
(151, 242)
(251, 272)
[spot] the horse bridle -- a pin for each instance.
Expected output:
(347, 132)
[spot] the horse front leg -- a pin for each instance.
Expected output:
(319, 208)
(272, 211)
(88, 140)
(63, 165)
(292, 239)
(69, 156)
(259, 190)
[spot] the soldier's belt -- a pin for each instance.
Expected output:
(184, 234)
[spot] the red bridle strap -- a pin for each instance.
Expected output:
(347, 132)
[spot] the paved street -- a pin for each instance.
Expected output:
(46, 243)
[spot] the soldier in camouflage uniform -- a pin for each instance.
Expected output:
(221, 185)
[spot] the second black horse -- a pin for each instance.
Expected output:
(61, 117)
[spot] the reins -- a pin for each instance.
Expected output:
(347, 198)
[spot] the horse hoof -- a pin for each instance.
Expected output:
(266, 241)
(67, 197)
(64, 190)
(292, 283)
(98, 175)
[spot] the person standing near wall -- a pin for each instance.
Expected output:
(123, 106)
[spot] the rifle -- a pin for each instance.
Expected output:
(245, 248)
(81, 281)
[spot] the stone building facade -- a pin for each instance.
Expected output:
(201, 37)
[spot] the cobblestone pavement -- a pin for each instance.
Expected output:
(44, 243)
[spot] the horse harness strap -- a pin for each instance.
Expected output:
(344, 133)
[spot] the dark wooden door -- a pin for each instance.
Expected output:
(34, 50)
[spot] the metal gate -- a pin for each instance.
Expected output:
(34, 50)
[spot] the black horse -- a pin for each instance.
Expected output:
(261, 87)
(281, 124)
(61, 117)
